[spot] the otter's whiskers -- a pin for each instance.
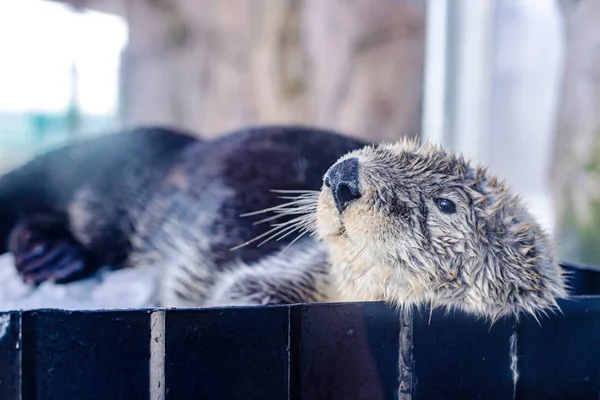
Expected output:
(304, 205)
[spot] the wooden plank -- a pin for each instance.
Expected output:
(559, 358)
(10, 354)
(345, 351)
(85, 355)
(460, 357)
(229, 353)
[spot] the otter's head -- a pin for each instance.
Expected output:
(412, 224)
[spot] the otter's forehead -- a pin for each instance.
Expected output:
(408, 158)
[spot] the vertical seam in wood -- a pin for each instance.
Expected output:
(20, 356)
(157, 355)
(405, 355)
(289, 353)
(514, 361)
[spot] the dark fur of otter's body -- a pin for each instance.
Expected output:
(158, 198)
(108, 176)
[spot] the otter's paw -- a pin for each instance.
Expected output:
(242, 295)
(251, 287)
(45, 252)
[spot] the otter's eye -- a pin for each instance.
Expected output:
(445, 205)
(326, 182)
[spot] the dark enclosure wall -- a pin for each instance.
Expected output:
(351, 351)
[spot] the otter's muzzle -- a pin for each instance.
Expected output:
(342, 179)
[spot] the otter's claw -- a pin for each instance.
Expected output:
(45, 253)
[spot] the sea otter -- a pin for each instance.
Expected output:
(403, 223)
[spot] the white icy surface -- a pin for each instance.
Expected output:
(126, 288)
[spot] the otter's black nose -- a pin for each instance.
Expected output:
(342, 178)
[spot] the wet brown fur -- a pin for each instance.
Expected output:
(490, 258)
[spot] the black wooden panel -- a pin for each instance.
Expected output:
(345, 351)
(85, 355)
(229, 353)
(10, 348)
(583, 279)
(559, 358)
(457, 356)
